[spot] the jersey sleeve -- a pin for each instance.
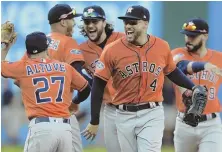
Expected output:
(12, 70)
(78, 82)
(170, 64)
(104, 66)
(72, 52)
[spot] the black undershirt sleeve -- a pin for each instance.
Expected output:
(78, 66)
(83, 95)
(180, 79)
(96, 99)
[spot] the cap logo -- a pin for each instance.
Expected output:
(90, 10)
(129, 10)
(35, 51)
(144, 16)
(92, 13)
(189, 27)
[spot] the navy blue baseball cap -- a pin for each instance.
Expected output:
(93, 12)
(61, 11)
(36, 42)
(194, 27)
(136, 12)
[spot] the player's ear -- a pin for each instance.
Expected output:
(206, 36)
(63, 23)
(104, 23)
(146, 24)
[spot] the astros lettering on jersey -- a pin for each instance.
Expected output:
(127, 63)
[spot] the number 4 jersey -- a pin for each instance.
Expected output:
(46, 85)
(207, 78)
(137, 72)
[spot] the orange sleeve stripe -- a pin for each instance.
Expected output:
(3, 75)
(84, 86)
(171, 71)
(101, 77)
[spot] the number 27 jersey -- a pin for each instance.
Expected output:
(46, 85)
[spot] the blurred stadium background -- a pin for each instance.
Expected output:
(166, 21)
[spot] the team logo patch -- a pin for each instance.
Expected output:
(75, 52)
(177, 57)
(100, 65)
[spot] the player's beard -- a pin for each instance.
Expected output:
(95, 36)
(195, 48)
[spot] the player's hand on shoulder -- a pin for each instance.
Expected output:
(90, 131)
(211, 67)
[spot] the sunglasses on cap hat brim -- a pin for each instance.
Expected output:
(92, 15)
(191, 30)
(73, 13)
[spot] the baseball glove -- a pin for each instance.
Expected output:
(194, 111)
(8, 34)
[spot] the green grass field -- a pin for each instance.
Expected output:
(91, 149)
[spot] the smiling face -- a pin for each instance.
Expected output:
(134, 29)
(94, 28)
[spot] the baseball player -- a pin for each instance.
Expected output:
(203, 67)
(137, 63)
(65, 49)
(47, 86)
(99, 34)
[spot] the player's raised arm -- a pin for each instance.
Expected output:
(190, 67)
(8, 38)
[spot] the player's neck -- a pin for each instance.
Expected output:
(58, 30)
(39, 55)
(201, 52)
(141, 40)
(102, 38)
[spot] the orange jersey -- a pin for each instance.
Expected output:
(46, 85)
(63, 48)
(137, 72)
(207, 78)
(91, 53)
